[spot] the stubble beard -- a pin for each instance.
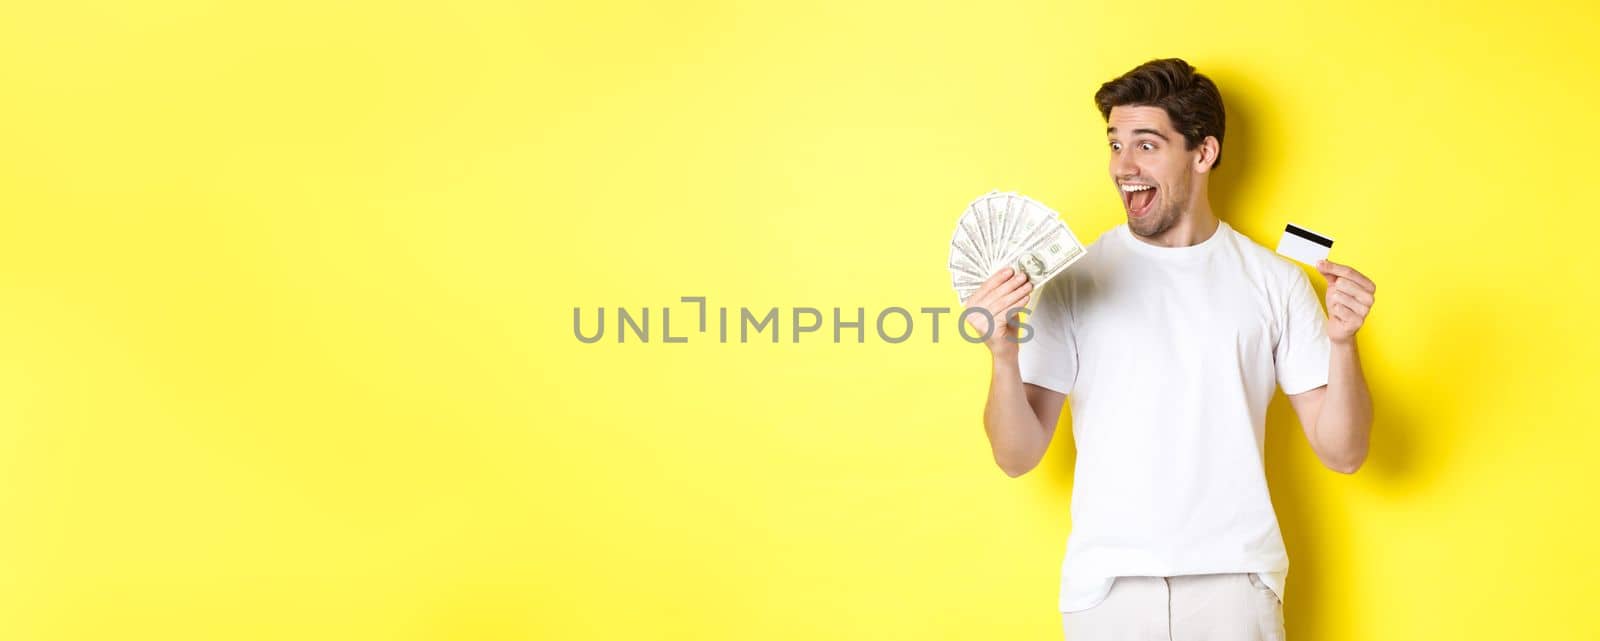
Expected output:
(1157, 222)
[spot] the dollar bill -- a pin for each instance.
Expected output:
(997, 223)
(964, 252)
(1049, 256)
(1005, 229)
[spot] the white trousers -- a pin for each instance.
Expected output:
(1197, 607)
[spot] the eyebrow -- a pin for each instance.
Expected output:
(1113, 130)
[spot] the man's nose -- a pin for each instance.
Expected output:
(1122, 165)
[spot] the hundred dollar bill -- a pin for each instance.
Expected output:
(1050, 255)
(1035, 224)
(1018, 216)
(995, 202)
(1002, 207)
(964, 251)
(968, 242)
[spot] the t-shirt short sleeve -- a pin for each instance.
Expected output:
(1048, 357)
(1302, 351)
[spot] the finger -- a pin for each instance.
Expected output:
(1005, 287)
(1355, 286)
(1018, 296)
(976, 299)
(1001, 302)
(992, 288)
(1326, 275)
(1348, 315)
(1018, 278)
(1358, 308)
(1353, 304)
(1356, 311)
(985, 291)
(1355, 291)
(1335, 299)
(1336, 308)
(998, 277)
(980, 298)
(1345, 271)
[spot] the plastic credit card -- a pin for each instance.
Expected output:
(1304, 245)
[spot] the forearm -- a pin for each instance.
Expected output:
(1015, 435)
(1344, 423)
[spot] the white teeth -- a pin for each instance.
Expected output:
(1131, 188)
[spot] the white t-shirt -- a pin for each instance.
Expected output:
(1169, 357)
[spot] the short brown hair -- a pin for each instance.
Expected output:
(1190, 99)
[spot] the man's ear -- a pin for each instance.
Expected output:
(1205, 154)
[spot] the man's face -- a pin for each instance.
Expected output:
(1151, 167)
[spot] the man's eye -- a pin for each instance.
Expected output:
(1116, 146)
(1147, 146)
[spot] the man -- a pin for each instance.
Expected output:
(1169, 337)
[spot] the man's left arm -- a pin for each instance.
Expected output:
(1337, 417)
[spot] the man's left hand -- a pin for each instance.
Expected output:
(1349, 299)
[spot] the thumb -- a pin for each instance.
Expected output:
(1327, 275)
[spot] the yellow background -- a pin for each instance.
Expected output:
(286, 296)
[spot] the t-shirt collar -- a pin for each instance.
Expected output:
(1174, 253)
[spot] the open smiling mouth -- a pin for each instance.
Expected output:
(1137, 198)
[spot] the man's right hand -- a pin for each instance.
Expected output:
(1004, 292)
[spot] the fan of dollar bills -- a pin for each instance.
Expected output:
(1004, 229)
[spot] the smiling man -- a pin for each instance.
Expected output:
(1170, 338)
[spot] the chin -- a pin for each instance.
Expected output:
(1150, 225)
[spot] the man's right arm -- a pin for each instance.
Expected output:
(1019, 417)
